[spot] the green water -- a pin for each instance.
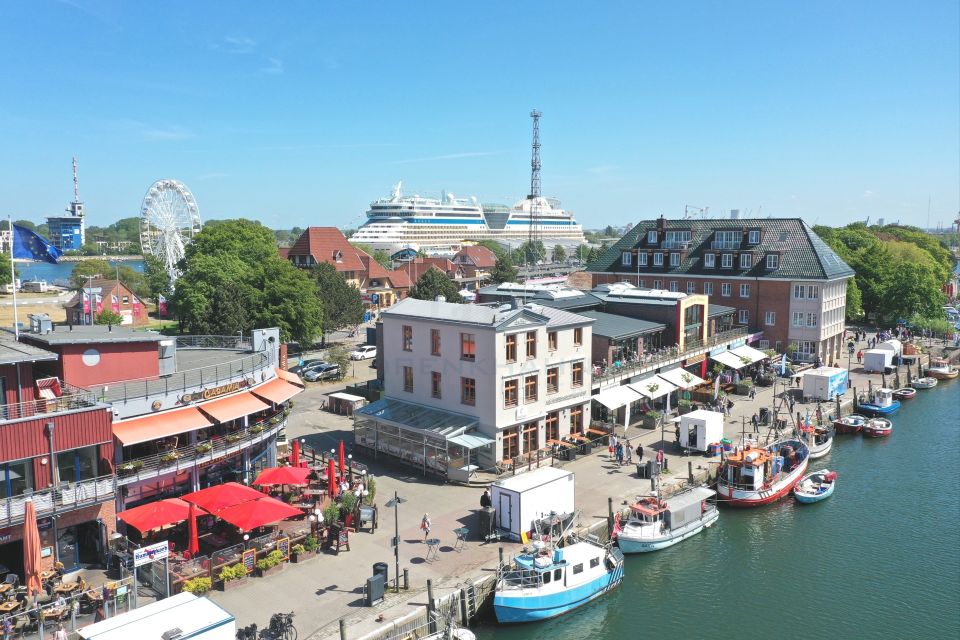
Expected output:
(879, 559)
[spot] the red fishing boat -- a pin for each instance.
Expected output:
(852, 423)
(750, 476)
(878, 428)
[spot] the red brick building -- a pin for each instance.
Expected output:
(106, 295)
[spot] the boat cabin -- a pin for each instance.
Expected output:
(880, 398)
(674, 513)
(555, 569)
(750, 468)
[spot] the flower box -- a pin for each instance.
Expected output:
(303, 557)
(277, 568)
(229, 585)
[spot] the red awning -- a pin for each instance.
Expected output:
(233, 407)
(159, 425)
(218, 497)
(283, 475)
(276, 391)
(290, 377)
(258, 513)
(160, 513)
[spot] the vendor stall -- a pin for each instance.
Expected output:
(344, 403)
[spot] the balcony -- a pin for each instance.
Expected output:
(66, 497)
(725, 244)
(186, 458)
(71, 399)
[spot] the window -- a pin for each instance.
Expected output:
(674, 259)
(594, 562)
(126, 299)
(553, 379)
(546, 577)
(511, 444)
(673, 285)
(468, 347)
(434, 342)
(435, 384)
(578, 336)
(531, 344)
(577, 568)
(798, 318)
(408, 379)
(642, 259)
(576, 374)
(530, 389)
(743, 317)
(530, 440)
(576, 419)
(779, 347)
(770, 318)
(557, 574)
(676, 238)
(813, 292)
(658, 284)
(652, 237)
(726, 289)
(744, 291)
(754, 236)
(511, 347)
(510, 393)
(726, 260)
(468, 391)
(708, 288)
(811, 319)
(551, 340)
(16, 478)
(76, 465)
(709, 260)
(658, 259)
(553, 426)
(626, 258)
(691, 287)
(407, 338)
(799, 291)
(746, 261)
(773, 261)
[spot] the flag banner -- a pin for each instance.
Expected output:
(162, 305)
(99, 303)
(29, 245)
(136, 307)
(86, 303)
(115, 303)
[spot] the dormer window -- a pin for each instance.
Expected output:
(658, 259)
(337, 255)
(746, 261)
(754, 236)
(709, 260)
(652, 237)
(674, 259)
(626, 258)
(726, 260)
(642, 259)
(773, 261)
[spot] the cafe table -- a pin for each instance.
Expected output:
(9, 606)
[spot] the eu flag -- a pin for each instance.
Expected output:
(29, 245)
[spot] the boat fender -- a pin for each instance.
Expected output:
(703, 506)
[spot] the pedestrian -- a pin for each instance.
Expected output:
(7, 628)
(753, 393)
(485, 500)
(99, 615)
(61, 633)
(790, 402)
(859, 356)
(425, 526)
(639, 453)
(755, 421)
(619, 454)
(629, 452)
(676, 434)
(612, 446)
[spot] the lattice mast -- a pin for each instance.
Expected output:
(535, 234)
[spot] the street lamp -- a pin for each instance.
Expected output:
(394, 503)
(350, 467)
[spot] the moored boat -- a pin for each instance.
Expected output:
(942, 370)
(656, 524)
(878, 428)
(879, 402)
(906, 393)
(815, 486)
(752, 476)
(850, 424)
(925, 383)
(819, 439)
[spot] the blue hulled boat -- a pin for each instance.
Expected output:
(879, 402)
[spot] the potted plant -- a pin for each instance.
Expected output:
(349, 503)
(232, 437)
(198, 586)
(305, 551)
(233, 576)
(169, 457)
(744, 387)
(271, 564)
(371, 486)
(651, 419)
(202, 448)
(132, 466)
(257, 428)
(684, 406)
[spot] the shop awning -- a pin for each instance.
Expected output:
(221, 496)
(283, 475)
(471, 441)
(159, 425)
(745, 351)
(653, 387)
(258, 513)
(682, 378)
(617, 397)
(276, 391)
(159, 513)
(292, 378)
(730, 359)
(233, 407)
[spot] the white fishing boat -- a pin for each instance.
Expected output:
(818, 438)
(656, 524)
(942, 370)
(925, 383)
(752, 476)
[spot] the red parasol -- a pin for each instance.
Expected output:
(283, 475)
(31, 549)
(342, 460)
(295, 454)
(193, 545)
(332, 478)
(221, 496)
(160, 513)
(258, 513)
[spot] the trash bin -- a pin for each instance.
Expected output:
(643, 470)
(382, 569)
(488, 519)
(375, 588)
(764, 416)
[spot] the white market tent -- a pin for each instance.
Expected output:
(679, 377)
(653, 387)
(730, 359)
(616, 397)
(746, 351)
(739, 357)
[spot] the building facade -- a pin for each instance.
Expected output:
(112, 295)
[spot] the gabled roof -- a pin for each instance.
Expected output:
(376, 271)
(107, 286)
(419, 266)
(328, 244)
(802, 254)
(478, 256)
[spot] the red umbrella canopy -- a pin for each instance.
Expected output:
(342, 459)
(283, 475)
(295, 454)
(193, 544)
(31, 549)
(157, 514)
(258, 513)
(221, 496)
(332, 478)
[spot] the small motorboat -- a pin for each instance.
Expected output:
(925, 383)
(815, 486)
(819, 439)
(850, 424)
(878, 428)
(942, 370)
(656, 524)
(906, 393)
(879, 402)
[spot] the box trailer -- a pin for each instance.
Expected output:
(877, 360)
(824, 383)
(181, 616)
(523, 499)
(700, 428)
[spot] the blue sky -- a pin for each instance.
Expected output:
(301, 113)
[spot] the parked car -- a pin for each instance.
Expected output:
(309, 364)
(322, 372)
(365, 352)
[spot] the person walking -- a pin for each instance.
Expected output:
(61, 633)
(755, 421)
(859, 356)
(629, 452)
(753, 393)
(612, 446)
(485, 500)
(639, 453)
(619, 454)
(7, 628)
(425, 526)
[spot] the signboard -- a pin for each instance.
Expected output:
(283, 544)
(696, 359)
(250, 560)
(215, 392)
(146, 555)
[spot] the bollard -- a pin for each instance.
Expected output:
(406, 579)
(610, 516)
(463, 607)
(343, 629)
(431, 607)
(690, 471)
(501, 557)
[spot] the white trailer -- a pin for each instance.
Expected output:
(877, 360)
(181, 616)
(700, 428)
(523, 499)
(824, 383)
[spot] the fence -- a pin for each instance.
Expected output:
(72, 399)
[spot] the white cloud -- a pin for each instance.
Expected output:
(868, 194)
(237, 44)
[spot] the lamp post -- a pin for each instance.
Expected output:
(350, 467)
(394, 503)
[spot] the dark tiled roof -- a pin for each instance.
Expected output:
(802, 254)
(616, 327)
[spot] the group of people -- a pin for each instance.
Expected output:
(621, 451)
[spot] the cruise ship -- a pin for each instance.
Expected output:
(441, 226)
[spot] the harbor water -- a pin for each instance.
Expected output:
(59, 274)
(879, 559)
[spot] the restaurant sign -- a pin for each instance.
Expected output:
(146, 555)
(215, 392)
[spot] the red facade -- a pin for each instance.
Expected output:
(107, 362)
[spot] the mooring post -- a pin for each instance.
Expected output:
(343, 629)
(406, 579)
(690, 471)
(431, 607)
(609, 516)
(653, 484)
(463, 607)
(501, 558)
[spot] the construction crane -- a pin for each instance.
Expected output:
(701, 211)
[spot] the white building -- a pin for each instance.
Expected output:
(475, 385)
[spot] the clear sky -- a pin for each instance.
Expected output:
(302, 113)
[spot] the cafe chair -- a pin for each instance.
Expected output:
(13, 579)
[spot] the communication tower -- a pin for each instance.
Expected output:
(535, 233)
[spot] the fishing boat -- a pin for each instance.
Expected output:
(850, 424)
(656, 524)
(925, 383)
(878, 428)
(815, 486)
(906, 393)
(818, 439)
(552, 579)
(942, 370)
(754, 476)
(878, 402)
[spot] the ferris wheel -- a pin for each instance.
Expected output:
(169, 218)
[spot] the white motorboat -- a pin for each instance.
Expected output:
(656, 524)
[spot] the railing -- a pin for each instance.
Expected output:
(67, 496)
(73, 398)
(214, 342)
(185, 458)
(725, 244)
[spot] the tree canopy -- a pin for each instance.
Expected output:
(100, 268)
(503, 270)
(342, 302)
(530, 253)
(435, 283)
(559, 254)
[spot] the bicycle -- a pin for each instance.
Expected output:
(281, 628)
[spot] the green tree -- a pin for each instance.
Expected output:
(559, 254)
(339, 356)
(25, 224)
(609, 232)
(379, 255)
(854, 309)
(913, 288)
(5, 268)
(107, 316)
(90, 249)
(494, 246)
(435, 283)
(503, 270)
(93, 268)
(342, 302)
(530, 253)
(156, 276)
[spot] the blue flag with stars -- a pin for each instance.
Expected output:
(28, 245)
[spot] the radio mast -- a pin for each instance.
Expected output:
(534, 234)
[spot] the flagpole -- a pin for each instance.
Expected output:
(13, 283)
